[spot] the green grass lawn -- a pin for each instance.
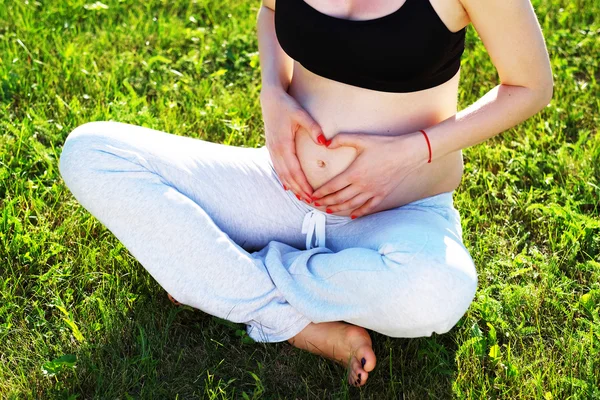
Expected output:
(81, 318)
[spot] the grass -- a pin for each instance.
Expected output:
(81, 318)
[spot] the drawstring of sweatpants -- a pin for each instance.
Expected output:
(314, 225)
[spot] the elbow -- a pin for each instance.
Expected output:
(542, 96)
(547, 92)
(546, 89)
(539, 92)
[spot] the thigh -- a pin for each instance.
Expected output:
(403, 272)
(427, 228)
(236, 186)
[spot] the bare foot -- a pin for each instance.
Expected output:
(346, 344)
(173, 300)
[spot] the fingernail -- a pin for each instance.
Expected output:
(308, 202)
(363, 362)
(321, 139)
(328, 211)
(314, 198)
(353, 216)
(298, 196)
(317, 204)
(284, 187)
(327, 143)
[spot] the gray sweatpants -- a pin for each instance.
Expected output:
(214, 226)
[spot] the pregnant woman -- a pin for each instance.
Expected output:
(344, 221)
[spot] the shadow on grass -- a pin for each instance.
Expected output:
(158, 350)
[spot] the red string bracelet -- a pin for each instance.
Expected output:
(428, 144)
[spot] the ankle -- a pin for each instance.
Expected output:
(295, 338)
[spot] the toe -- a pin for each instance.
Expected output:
(352, 378)
(362, 377)
(367, 358)
(173, 300)
(360, 374)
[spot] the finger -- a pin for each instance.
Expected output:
(285, 175)
(281, 172)
(352, 204)
(298, 176)
(295, 188)
(307, 122)
(339, 182)
(340, 197)
(292, 184)
(367, 207)
(286, 186)
(296, 182)
(347, 139)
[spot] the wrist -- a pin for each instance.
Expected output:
(270, 88)
(414, 146)
(428, 144)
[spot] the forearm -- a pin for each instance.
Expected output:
(276, 66)
(500, 109)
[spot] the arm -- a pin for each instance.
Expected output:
(282, 114)
(512, 36)
(276, 66)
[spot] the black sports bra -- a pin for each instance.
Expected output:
(408, 50)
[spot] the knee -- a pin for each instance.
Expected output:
(434, 297)
(88, 131)
(76, 150)
(451, 296)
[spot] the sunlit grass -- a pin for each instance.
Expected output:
(80, 317)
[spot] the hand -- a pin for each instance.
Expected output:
(283, 116)
(381, 164)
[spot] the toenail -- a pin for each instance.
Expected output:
(363, 362)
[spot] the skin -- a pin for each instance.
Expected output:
(377, 158)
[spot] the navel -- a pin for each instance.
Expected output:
(321, 163)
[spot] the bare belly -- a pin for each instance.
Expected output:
(343, 108)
